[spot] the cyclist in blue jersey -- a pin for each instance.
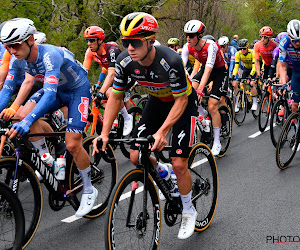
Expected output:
(65, 82)
(229, 53)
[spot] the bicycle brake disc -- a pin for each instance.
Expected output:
(169, 214)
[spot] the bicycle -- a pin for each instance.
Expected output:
(134, 211)
(244, 101)
(288, 141)
(12, 222)
(266, 105)
(280, 112)
(18, 172)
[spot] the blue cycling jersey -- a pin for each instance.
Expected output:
(286, 48)
(2, 50)
(60, 73)
(230, 59)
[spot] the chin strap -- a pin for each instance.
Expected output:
(148, 51)
(99, 44)
(29, 50)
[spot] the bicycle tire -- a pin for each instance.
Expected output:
(142, 102)
(276, 121)
(203, 168)
(226, 130)
(259, 99)
(135, 98)
(118, 235)
(264, 112)
(239, 117)
(229, 105)
(12, 221)
(30, 196)
(136, 112)
(288, 142)
(106, 173)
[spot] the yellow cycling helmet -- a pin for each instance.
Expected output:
(138, 23)
(174, 41)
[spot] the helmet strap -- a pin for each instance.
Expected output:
(30, 46)
(148, 51)
(99, 44)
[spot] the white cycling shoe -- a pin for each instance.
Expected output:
(216, 149)
(128, 126)
(87, 202)
(254, 107)
(187, 226)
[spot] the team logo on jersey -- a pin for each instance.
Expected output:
(9, 77)
(165, 65)
(125, 61)
(47, 61)
(172, 74)
(39, 78)
(83, 108)
(179, 151)
(52, 80)
(137, 71)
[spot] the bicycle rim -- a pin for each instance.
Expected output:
(240, 116)
(125, 227)
(264, 112)
(103, 174)
(226, 129)
(288, 142)
(29, 194)
(204, 173)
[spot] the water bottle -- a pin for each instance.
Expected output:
(175, 192)
(164, 174)
(58, 117)
(202, 120)
(207, 127)
(61, 162)
(50, 162)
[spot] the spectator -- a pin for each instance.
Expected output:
(234, 42)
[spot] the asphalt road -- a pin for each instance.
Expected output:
(258, 205)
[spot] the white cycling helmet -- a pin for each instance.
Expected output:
(223, 40)
(293, 29)
(194, 26)
(156, 43)
(40, 37)
(17, 30)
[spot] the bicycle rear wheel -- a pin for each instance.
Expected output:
(125, 225)
(288, 141)
(241, 104)
(264, 112)
(104, 176)
(12, 221)
(277, 119)
(226, 129)
(203, 168)
(29, 193)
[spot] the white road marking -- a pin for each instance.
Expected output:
(259, 133)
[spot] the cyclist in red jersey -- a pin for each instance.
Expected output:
(104, 54)
(264, 48)
(213, 69)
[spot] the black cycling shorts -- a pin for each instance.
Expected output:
(219, 77)
(154, 115)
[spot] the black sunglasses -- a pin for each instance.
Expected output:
(91, 40)
(171, 46)
(191, 35)
(243, 48)
(295, 40)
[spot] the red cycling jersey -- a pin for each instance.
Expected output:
(265, 52)
(210, 55)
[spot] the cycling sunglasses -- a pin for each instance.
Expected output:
(190, 35)
(135, 42)
(91, 40)
(243, 48)
(266, 37)
(171, 46)
(14, 46)
(295, 40)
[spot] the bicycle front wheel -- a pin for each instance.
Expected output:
(203, 168)
(104, 176)
(240, 108)
(264, 112)
(128, 225)
(12, 222)
(288, 141)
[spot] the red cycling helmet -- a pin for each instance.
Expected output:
(94, 31)
(266, 31)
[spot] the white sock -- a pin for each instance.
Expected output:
(41, 146)
(125, 114)
(217, 135)
(86, 180)
(201, 111)
(187, 203)
(254, 99)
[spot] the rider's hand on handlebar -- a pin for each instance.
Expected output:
(20, 128)
(104, 140)
(8, 113)
(160, 141)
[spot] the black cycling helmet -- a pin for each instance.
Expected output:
(243, 43)
(209, 37)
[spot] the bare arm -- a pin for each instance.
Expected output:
(257, 67)
(108, 80)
